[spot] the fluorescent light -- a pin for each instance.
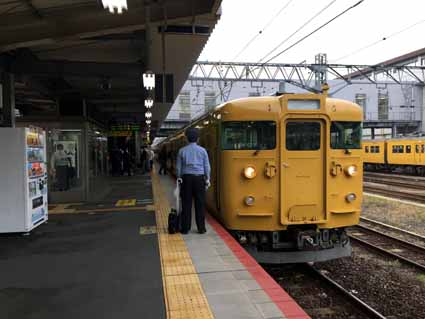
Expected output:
(148, 103)
(148, 122)
(119, 5)
(148, 115)
(149, 80)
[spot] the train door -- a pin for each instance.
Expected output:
(303, 171)
(418, 154)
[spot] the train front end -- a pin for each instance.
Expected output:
(296, 192)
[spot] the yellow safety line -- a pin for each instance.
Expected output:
(126, 202)
(149, 208)
(184, 296)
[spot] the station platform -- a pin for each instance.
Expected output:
(114, 258)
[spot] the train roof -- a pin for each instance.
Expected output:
(336, 109)
(405, 138)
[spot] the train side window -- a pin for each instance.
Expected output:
(422, 148)
(408, 149)
(302, 136)
(395, 149)
(367, 149)
(401, 148)
(372, 149)
(376, 149)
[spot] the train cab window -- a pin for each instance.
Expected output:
(367, 149)
(346, 135)
(302, 136)
(408, 149)
(248, 135)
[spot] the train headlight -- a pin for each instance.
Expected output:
(249, 172)
(249, 200)
(351, 170)
(350, 197)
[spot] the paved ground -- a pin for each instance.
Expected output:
(87, 265)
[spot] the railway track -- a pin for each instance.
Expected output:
(380, 241)
(395, 231)
(319, 294)
(389, 191)
(406, 181)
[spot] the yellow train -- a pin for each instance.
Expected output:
(406, 153)
(286, 173)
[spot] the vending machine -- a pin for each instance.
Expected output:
(23, 179)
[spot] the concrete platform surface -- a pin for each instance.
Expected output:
(236, 287)
(86, 265)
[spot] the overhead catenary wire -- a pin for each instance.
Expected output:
(298, 30)
(314, 31)
(379, 41)
(262, 30)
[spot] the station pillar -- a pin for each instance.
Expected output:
(372, 133)
(394, 131)
(8, 99)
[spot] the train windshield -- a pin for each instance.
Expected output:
(346, 135)
(248, 135)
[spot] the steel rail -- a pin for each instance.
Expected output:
(388, 253)
(394, 182)
(393, 228)
(393, 193)
(399, 240)
(364, 306)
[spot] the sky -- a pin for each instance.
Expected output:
(402, 23)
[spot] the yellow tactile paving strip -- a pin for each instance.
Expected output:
(184, 297)
(64, 209)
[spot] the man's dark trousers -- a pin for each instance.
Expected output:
(193, 187)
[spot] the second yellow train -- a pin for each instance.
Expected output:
(407, 154)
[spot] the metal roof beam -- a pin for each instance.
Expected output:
(63, 68)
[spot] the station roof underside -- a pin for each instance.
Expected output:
(71, 49)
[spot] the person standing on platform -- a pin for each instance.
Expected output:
(151, 156)
(60, 164)
(162, 157)
(193, 172)
(126, 159)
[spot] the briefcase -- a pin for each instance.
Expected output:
(173, 221)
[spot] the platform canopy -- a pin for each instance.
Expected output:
(66, 52)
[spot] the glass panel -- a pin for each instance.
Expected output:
(249, 135)
(346, 135)
(367, 149)
(302, 136)
(64, 154)
(408, 149)
(382, 106)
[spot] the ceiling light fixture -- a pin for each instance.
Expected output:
(148, 103)
(149, 80)
(148, 122)
(113, 5)
(148, 115)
